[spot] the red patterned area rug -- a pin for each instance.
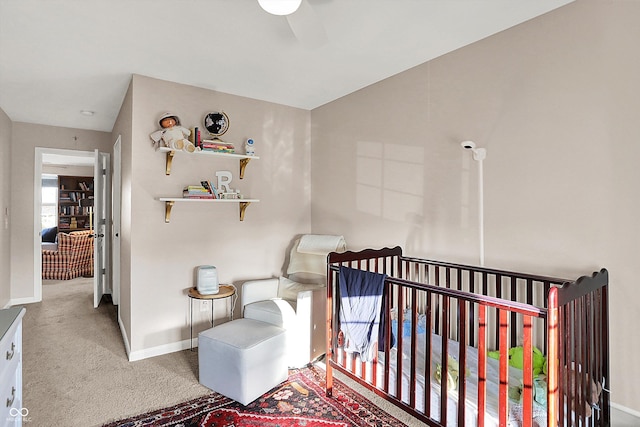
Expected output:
(300, 401)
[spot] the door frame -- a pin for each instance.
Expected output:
(37, 211)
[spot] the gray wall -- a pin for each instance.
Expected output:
(555, 102)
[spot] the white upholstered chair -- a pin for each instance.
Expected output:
(296, 303)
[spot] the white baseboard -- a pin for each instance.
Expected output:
(125, 339)
(625, 409)
(159, 350)
(25, 300)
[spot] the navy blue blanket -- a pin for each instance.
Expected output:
(360, 305)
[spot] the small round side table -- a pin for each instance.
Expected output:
(224, 291)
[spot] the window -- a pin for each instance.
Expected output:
(49, 213)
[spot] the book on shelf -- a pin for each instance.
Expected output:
(194, 137)
(197, 196)
(196, 192)
(196, 189)
(217, 145)
(209, 186)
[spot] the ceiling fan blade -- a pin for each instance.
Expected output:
(307, 27)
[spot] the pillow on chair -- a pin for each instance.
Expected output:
(288, 289)
(49, 235)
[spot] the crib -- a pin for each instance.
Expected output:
(460, 345)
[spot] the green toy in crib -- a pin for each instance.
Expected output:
(516, 359)
(453, 372)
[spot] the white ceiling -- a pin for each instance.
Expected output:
(58, 57)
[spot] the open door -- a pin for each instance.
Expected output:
(115, 215)
(101, 183)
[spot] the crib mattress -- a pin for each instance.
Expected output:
(471, 378)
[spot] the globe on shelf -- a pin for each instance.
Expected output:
(217, 123)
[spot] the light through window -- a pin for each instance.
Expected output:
(49, 212)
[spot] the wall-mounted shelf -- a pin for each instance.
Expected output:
(170, 201)
(244, 159)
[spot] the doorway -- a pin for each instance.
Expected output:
(98, 165)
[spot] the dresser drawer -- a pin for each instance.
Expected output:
(11, 400)
(12, 412)
(11, 348)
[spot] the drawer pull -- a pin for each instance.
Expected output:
(13, 351)
(13, 397)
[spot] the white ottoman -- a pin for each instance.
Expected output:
(242, 359)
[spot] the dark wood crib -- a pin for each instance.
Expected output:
(478, 320)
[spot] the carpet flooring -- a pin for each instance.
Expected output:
(76, 371)
(75, 367)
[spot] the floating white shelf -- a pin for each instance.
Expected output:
(244, 159)
(170, 201)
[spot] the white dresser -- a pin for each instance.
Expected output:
(11, 408)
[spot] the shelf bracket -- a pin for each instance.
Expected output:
(243, 207)
(170, 155)
(243, 165)
(167, 210)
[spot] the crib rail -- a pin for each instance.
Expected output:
(509, 287)
(466, 307)
(579, 358)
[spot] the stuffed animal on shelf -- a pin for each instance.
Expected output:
(172, 134)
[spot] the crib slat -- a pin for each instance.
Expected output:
(503, 392)
(443, 361)
(462, 385)
(472, 289)
(553, 339)
(414, 350)
(581, 364)
(498, 294)
(562, 359)
(400, 344)
(428, 361)
(437, 329)
(527, 374)
(331, 337)
(546, 287)
(514, 316)
(482, 364)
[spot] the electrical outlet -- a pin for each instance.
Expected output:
(204, 305)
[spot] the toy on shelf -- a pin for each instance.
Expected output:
(172, 134)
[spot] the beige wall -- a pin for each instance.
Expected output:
(123, 128)
(163, 256)
(5, 196)
(26, 137)
(555, 102)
